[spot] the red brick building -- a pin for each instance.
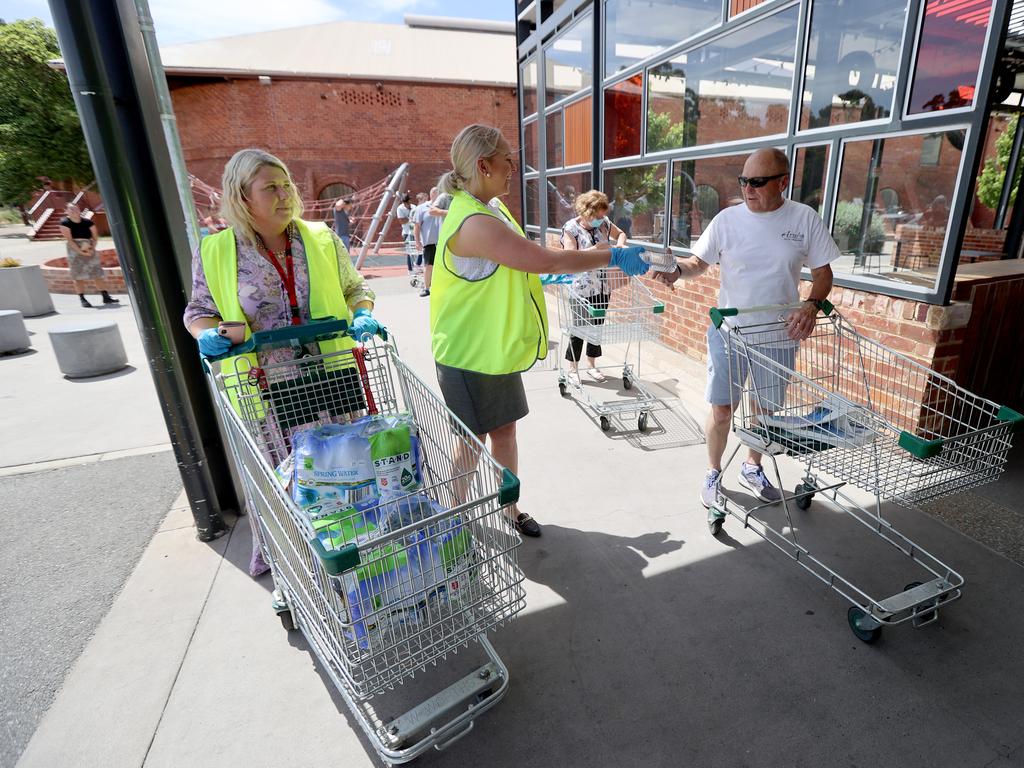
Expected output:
(343, 103)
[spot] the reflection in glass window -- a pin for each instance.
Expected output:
(700, 189)
(569, 61)
(808, 176)
(622, 110)
(853, 53)
(531, 205)
(553, 139)
(562, 192)
(528, 74)
(531, 150)
(636, 30)
(579, 132)
(737, 87)
(891, 212)
(949, 54)
(737, 7)
(637, 197)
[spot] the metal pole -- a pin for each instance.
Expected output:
(112, 83)
(390, 193)
(170, 125)
(1011, 174)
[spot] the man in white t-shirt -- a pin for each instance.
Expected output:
(760, 248)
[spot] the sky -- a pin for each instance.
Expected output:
(182, 21)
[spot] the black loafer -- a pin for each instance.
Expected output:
(526, 525)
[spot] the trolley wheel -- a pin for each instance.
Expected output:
(715, 525)
(606, 424)
(627, 383)
(867, 633)
(920, 617)
(641, 421)
(563, 390)
(804, 502)
(287, 621)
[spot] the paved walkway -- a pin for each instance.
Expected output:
(644, 641)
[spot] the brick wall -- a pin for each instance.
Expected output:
(329, 131)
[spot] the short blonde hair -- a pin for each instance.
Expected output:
(239, 173)
(590, 202)
(472, 143)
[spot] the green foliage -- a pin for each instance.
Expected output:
(990, 182)
(9, 216)
(847, 228)
(40, 134)
(9, 262)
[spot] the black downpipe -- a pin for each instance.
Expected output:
(112, 86)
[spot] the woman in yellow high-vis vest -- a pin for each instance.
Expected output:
(488, 319)
(270, 268)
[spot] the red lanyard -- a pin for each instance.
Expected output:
(287, 277)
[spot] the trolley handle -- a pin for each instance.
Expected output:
(718, 314)
(323, 329)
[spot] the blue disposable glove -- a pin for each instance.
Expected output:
(629, 261)
(363, 324)
(212, 344)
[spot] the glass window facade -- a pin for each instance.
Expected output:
(569, 61)
(637, 29)
(562, 192)
(808, 176)
(528, 78)
(891, 212)
(700, 189)
(623, 106)
(637, 197)
(876, 110)
(953, 36)
(531, 146)
(531, 203)
(736, 87)
(853, 54)
(555, 139)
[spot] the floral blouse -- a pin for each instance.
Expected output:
(261, 292)
(578, 237)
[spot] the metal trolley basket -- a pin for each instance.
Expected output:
(631, 316)
(855, 413)
(378, 596)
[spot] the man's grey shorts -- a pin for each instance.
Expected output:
(769, 381)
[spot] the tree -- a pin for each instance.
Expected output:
(40, 134)
(990, 183)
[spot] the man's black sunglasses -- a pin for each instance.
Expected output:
(758, 181)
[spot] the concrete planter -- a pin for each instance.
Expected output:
(24, 289)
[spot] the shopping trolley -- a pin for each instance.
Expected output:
(379, 591)
(630, 316)
(415, 258)
(856, 414)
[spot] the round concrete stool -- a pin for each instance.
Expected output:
(13, 336)
(88, 349)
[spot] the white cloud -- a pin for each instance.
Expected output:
(180, 21)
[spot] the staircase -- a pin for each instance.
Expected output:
(47, 226)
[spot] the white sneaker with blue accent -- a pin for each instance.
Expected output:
(710, 490)
(753, 478)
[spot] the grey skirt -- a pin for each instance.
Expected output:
(483, 402)
(84, 267)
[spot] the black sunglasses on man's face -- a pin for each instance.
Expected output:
(758, 181)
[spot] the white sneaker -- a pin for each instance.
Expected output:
(711, 488)
(753, 478)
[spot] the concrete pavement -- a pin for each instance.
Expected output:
(644, 639)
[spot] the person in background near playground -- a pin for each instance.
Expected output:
(760, 248)
(342, 223)
(426, 222)
(83, 260)
(488, 319)
(271, 269)
(587, 230)
(402, 213)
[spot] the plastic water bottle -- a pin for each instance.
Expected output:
(660, 261)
